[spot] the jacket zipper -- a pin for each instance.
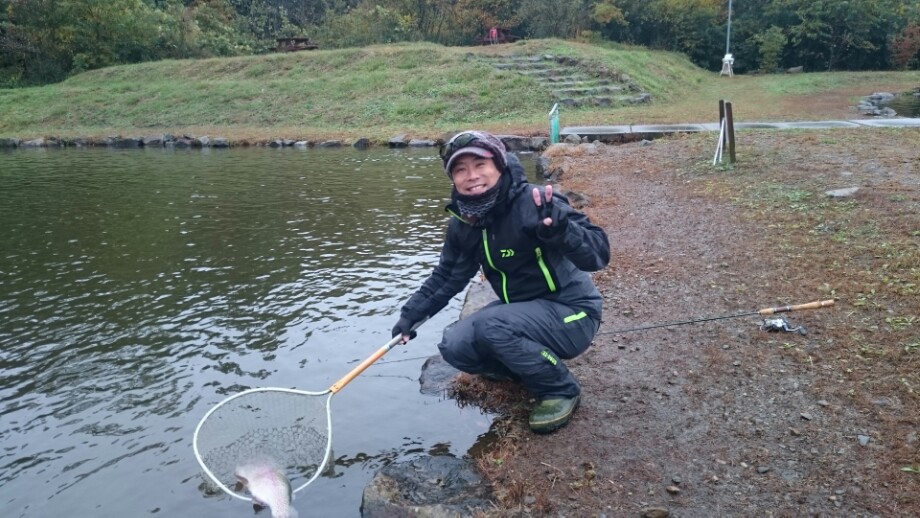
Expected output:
(549, 278)
(485, 245)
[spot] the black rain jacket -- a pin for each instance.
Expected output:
(520, 265)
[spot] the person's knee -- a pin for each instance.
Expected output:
(456, 348)
(448, 352)
(492, 332)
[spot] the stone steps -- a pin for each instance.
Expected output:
(570, 82)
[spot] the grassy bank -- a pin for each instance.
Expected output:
(421, 89)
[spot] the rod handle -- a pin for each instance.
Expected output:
(339, 385)
(818, 304)
(346, 379)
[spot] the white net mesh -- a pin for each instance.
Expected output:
(290, 427)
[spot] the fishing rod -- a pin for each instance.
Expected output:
(818, 304)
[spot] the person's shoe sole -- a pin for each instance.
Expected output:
(551, 425)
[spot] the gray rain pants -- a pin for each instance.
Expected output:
(529, 339)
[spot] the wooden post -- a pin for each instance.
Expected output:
(730, 132)
(722, 118)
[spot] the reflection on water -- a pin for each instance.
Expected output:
(138, 288)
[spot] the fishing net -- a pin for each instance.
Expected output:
(291, 427)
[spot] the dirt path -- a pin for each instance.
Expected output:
(722, 418)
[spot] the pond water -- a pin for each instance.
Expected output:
(139, 288)
(905, 105)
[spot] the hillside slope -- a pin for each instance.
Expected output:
(402, 86)
(419, 88)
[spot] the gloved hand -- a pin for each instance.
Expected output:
(553, 218)
(404, 328)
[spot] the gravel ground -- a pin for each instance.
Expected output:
(723, 418)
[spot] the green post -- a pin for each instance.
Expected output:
(554, 124)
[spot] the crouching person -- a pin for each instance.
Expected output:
(534, 249)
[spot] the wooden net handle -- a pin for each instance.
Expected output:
(339, 385)
(396, 340)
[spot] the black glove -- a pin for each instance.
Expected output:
(404, 327)
(551, 209)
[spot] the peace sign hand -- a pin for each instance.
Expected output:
(553, 218)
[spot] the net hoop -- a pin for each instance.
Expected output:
(249, 392)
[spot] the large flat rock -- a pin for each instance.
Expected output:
(430, 487)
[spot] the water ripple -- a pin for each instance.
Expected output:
(137, 288)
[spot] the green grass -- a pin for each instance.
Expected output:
(378, 91)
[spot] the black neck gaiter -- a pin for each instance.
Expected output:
(474, 207)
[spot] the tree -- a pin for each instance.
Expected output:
(771, 43)
(213, 28)
(689, 26)
(905, 48)
(48, 40)
(367, 24)
(611, 20)
(831, 34)
(36, 39)
(552, 18)
(108, 32)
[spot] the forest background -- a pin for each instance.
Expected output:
(45, 41)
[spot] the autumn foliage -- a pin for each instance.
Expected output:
(44, 41)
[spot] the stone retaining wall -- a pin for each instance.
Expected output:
(513, 142)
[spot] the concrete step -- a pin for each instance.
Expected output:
(586, 91)
(517, 59)
(601, 100)
(569, 79)
(573, 102)
(545, 72)
(569, 83)
(524, 65)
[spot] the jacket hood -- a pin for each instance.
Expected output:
(518, 175)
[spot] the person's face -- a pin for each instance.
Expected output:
(474, 175)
